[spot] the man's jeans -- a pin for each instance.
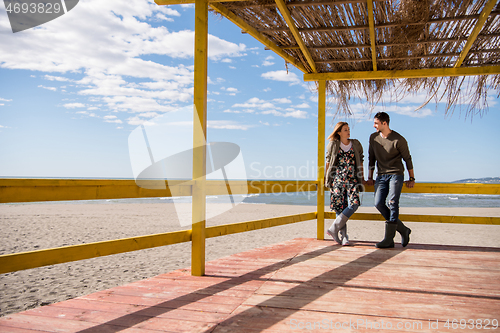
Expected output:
(388, 186)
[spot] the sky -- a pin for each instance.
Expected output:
(74, 89)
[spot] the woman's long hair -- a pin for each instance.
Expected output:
(335, 134)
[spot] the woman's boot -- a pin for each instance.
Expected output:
(343, 236)
(405, 233)
(390, 232)
(338, 224)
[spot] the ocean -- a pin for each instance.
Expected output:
(309, 199)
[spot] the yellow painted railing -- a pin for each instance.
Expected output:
(424, 218)
(26, 260)
(31, 190)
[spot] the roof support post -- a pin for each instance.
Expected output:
(488, 7)
(295, 32)
(199, 138)
(371, 23)
(321, 160)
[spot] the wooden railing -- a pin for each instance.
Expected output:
(33, 190)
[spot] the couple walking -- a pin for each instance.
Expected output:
(345, 177)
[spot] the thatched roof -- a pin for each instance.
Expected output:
(408, 34)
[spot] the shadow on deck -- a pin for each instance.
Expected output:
(299, 285)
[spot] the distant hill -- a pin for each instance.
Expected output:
(487, 180)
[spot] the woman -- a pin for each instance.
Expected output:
(344, 177)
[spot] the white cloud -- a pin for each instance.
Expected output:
(74, 105)
(282, 100)
(302, 106)
(48, 88)
(268, 62)
(164, 18)
(238, 111)
(104, 42)
(5, 100)
(226, 60)
(114, 121)
(56, 78)
(254, 103)
(294, 114)
(227, 124)
(148, 114)
(109, 117)
(283, 76)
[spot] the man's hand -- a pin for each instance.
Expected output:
(410, 183)
(369, 182)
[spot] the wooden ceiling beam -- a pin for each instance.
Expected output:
(371, 24)
(295, 32)
(441, 55)
(403, 74)
(485, 13)
(382, 25)
(363, 46)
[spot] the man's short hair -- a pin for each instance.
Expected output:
(383, 117)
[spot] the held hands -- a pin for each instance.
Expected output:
(369, 182)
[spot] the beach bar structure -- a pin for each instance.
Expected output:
(339, 44)
(330, 42)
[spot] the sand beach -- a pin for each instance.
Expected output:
(27, 227)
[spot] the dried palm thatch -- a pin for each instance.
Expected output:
(409, 34)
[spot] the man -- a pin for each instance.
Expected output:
(388, 148)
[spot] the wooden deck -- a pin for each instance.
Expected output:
(300, 285)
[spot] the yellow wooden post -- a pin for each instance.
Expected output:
(199, 138)
(321, 159)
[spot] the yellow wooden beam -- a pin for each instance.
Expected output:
(403, 74)
(26, 260)
(295, 32)
(320, 203)
(199, 138)
(183, 2)
(32, 190)
(475, 32)
(424, 218)
(233, 228)
(371, 24)
(256, 34)
(450, 188)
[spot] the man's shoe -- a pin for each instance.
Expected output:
(390, 232)
(405, 232)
